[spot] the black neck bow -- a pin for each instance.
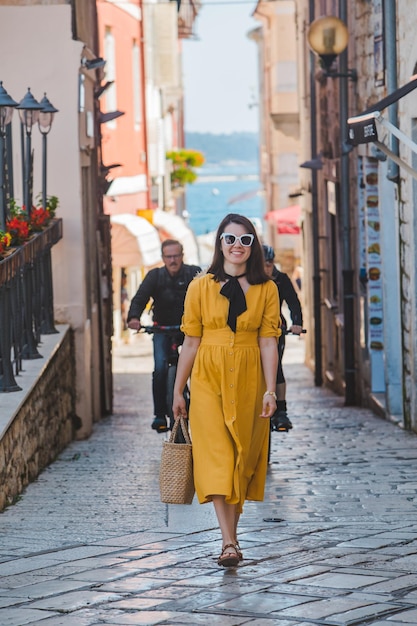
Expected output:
(234, 293)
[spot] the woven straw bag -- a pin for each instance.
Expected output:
(176, 482)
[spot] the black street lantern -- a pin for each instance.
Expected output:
(328, 37)
(7, 105)
(46, 117)
(29, 111)
(29, 114)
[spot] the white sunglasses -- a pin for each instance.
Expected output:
(245, 240)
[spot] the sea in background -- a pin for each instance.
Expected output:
(223, 188)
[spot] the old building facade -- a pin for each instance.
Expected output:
(52, 48)
(359, 204)
(279, 124)
(60, 40)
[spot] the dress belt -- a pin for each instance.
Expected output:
(225, 337)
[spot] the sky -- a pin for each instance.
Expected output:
(220, 71)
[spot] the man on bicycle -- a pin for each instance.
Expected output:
(280, 420)
(166, 286)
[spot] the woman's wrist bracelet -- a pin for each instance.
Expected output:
(271, 393)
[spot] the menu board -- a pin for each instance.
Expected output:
(362, 218)
(373, 252)
(363, 275)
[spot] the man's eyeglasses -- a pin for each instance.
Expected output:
(245, 240)
(172, 256)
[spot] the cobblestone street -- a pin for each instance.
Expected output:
(334, 543)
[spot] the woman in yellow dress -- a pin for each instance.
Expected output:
(231, 328)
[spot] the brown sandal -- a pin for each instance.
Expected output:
(229, 558)
(238, 551)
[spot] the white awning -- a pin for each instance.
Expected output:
(174, 227)
(127, 185)
(367, 127)
(135, 242)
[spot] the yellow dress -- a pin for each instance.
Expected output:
(230, 440)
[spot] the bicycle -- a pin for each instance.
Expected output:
(176, 341)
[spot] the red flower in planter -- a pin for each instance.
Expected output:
(19, 230)
(20, 225)
(39, 218)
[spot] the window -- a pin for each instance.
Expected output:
(287, 168)
(286, 77)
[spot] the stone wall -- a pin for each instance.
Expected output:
(43, 425)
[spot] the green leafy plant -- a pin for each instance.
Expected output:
(52, 204)
(183, 162)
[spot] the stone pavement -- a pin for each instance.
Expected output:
(334, 543)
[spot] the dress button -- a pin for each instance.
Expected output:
(230, 353)
(231, 369)
(232, 402)
(231, 385)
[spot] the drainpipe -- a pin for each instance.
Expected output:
(390, 26)
(393, 175)
(318, 377)
(142, 50)
(347, 273)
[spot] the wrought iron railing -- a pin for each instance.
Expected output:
(26, 302)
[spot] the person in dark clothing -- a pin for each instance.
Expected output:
(280, 420)
(167, 287)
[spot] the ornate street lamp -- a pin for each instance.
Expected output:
(7, 105)
(29, 114)
(328, 37)
(46, 116)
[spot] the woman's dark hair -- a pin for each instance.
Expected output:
(255, 272)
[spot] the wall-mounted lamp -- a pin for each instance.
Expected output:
(314, 164)
(103, 118)
(93, 64)
(328, 37)
(105, 169)
(100, 90)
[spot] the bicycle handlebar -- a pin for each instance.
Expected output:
(159, 329)
(156, 328)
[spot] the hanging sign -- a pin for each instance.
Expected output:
(362, 130)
